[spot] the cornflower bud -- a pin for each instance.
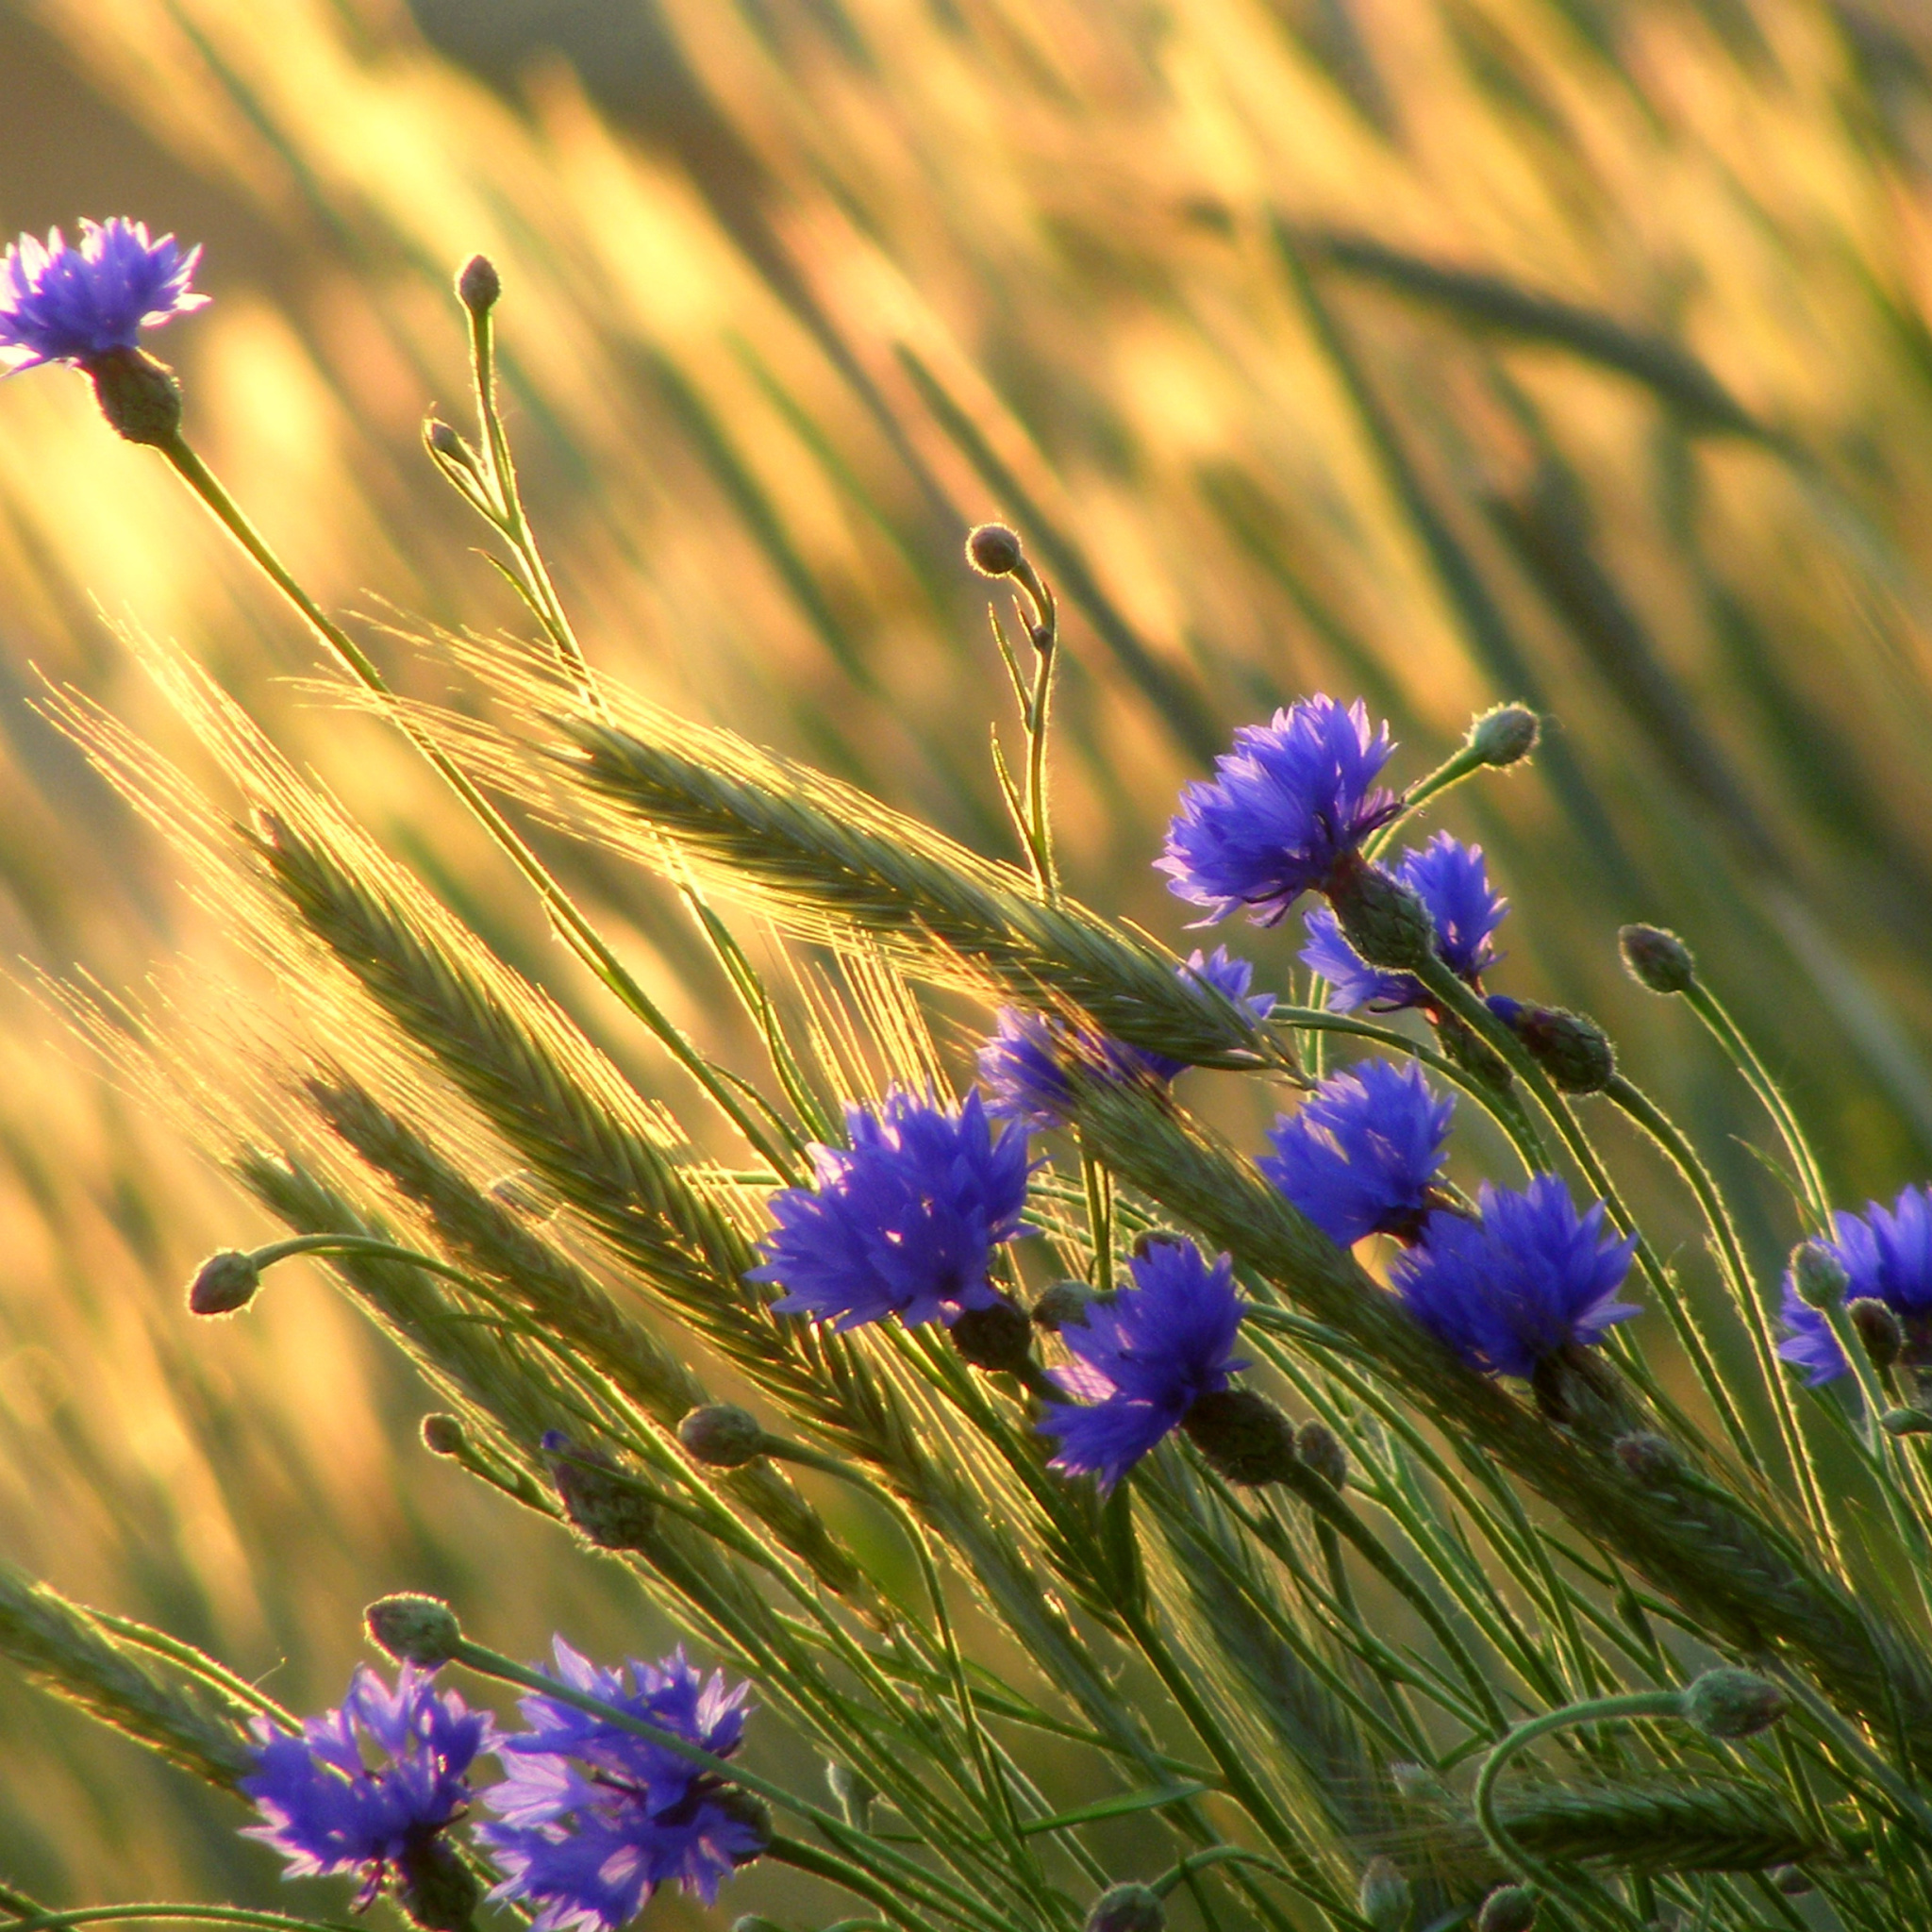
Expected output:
(1730, 1703)
(994, 551)
(1504, 736)
(1321, 1449)
(479, 287)
(1818, 1275)
(1243, 1436)
(996, 1338)
(138, 395)
(1064, 1303)
(1905, 1422)
(444, 1435)
(1878, 1329)
(1509, 1909)
(721, 1436)
(1128, 1908)
(606, 1508)
(1570, 1047)
(421, 1630)
(1385, 921)
(1384, 1899)
(224, 1283)
(442, 440)
(1657, 959)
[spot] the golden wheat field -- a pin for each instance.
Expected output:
(1438, 351)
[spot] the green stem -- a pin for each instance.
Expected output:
(839, 1871)
(575, 929)
(164, 1912)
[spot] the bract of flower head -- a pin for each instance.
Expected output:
(1024, 1066)
(905, 1220)
(1527, 1280)
(1452, 880)
(1288, 805)
(595, 1819)
(1886, 1256)
(1363, 1154)
(368, 1783)
(68, 302)
(1143, 1359)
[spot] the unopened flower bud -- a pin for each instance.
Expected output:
(1878, 1329)
(224, 1283)
(1732, 1704)
(1243, 1436)
(479, 287)
(855, 1794)
(1509, 1909)
(994, 550)
(1792, 1880)
(606, 1508)
(721, 1436)
(1905, 1422)
(1128, 1908)
(1321, 1449)
(421, 1630)
(1384, 1899)
(1570, 1048)
(1063, 1306)
(1818, 1275)
(435, 1888)
(1650, 1458)
(444, 1435)
(1504, 736)
(1383, 920)
(1657, 959)
(997, 1338)
(138, 395)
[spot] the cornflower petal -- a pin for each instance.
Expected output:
(62, 301)
(1886, 1256)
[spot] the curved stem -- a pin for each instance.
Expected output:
(165, 1912)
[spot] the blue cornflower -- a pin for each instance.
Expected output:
(64, 303)
(1364, 1154)
(330, 1808)
(1286, 811)
(596, 1818)
(1024, 1066)
(903, 1222)
(1527, 1281)
(1145, 1358)
(1452, 880)
(1886, 1256)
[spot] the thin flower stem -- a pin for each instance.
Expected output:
(1215, 1854)
(839, 1871)
(1464, 762)
(167, 1912)
(575, 929)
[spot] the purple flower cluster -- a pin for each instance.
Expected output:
(63, 302)
(1142, 1359)
(367, 1786)
(905, 1220)
(1887, 1257)
(1024, 1066)
(596, 1818)
(1285, 810)
(1452, 880)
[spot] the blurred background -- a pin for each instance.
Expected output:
(1438, 351)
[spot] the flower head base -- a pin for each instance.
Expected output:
(1364, 1155)
(1887, 1257)
(1452, 880)
(905, 1220)
(367, 1787)
(595, 1817)
(1144, 1359)
(1290, 802)
(1518, 1288)
(71, 303)
(1024, 1067)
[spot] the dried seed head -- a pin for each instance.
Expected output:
(995, 1339)
(1731, 1704)
(420, 1630)
(1657, 959)
(224, 1283)
(994, 550)
(1504, 736)
(1128, 1908)
(479, 288)
(721, 1436)
(444, 1435)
